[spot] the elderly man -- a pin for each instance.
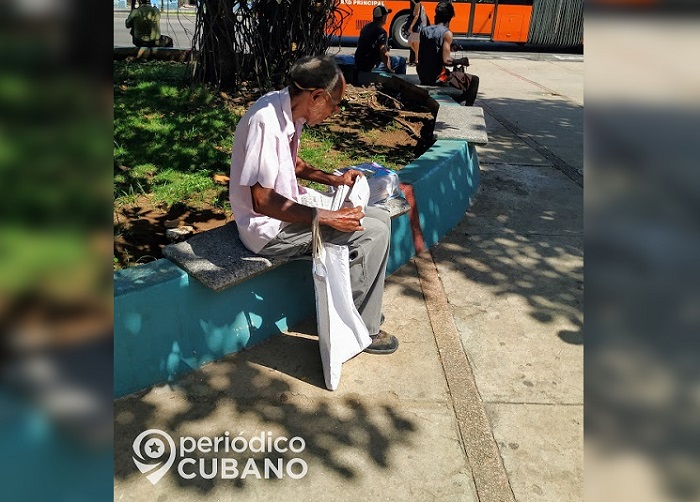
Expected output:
(145, 26)
(373, 47)
(264, 191)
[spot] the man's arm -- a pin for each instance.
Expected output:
(306, 171)
(382, 42)
(268, 202)
(384, 54)
(447, 58)
(446, 45)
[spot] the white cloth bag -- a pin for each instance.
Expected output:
(342, 333)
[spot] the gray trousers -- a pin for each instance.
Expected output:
(368, 251)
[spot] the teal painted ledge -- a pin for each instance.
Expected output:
(444, 180)
(170, 324)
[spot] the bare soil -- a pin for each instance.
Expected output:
(375, 121)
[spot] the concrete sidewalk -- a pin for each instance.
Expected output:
(483, 400)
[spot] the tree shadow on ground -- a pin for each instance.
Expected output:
(247, 389)
(516, 246)
(517, 139)
(523, 235)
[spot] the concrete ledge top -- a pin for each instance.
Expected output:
(461, 122)
(218, 258)
(452, 121)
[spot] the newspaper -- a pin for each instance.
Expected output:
(344, 196)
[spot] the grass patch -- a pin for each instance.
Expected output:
(322, 148)
(171, 186)
(317, 147)
(169, 138)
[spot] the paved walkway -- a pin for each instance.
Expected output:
(483, 400)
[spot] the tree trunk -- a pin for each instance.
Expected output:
(255, 42)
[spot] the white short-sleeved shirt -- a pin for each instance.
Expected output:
(264, 151)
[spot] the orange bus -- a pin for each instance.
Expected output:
(550, 23)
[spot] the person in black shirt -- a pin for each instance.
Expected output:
(434, 55)
(372, 47)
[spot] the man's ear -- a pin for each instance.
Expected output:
(317, 94)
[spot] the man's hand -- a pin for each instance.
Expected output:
(346, 219)
(268, 202)
(349, 177)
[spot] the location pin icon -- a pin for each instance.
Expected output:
(154, 448)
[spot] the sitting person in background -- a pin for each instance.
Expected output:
(372, 47)
(145, 26)
(434, 55)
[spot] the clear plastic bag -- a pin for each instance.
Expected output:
(383, 182)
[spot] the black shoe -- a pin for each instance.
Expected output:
(383, 343)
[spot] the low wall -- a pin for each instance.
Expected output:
(167, 324)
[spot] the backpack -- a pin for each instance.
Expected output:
(459, 79)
